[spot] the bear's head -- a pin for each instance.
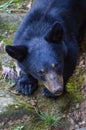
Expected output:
(43, 58)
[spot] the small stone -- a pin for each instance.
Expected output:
(82, 123)
(77, 106)
(72, 121)
(76, 126)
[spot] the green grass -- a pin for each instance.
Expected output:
(50, 120)
(7, 4)
(4, 6)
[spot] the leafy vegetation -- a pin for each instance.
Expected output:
(10, 3)
(7, 4)
(19, 128)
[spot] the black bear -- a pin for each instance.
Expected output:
(46, 45)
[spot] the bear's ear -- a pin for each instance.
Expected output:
(17, 52)
(55, 34)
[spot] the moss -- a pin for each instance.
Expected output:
(20, 105)
(74, 86)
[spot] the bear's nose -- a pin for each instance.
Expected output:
(58, 91)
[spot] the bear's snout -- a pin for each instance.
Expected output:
(54, 83)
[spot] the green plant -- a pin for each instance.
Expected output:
(11, 3)
(7, 4)
(19, 128)
(50, 119)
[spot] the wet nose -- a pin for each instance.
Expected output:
(59, 91)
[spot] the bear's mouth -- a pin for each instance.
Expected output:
(54, 83)
(56, 90)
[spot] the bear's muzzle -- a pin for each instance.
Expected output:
(54, 83)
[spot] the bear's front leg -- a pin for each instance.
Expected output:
(26, 84)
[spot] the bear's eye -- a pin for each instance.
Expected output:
(54, 65)
(42, 71)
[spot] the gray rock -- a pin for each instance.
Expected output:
(6, 99)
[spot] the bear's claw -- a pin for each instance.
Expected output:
(26, 86)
